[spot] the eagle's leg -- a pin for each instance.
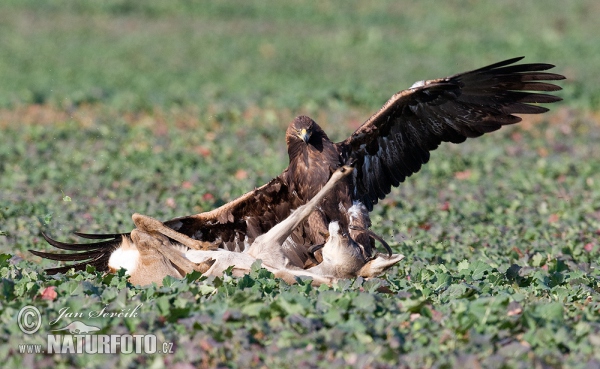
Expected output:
(360, 235)
(151, 225)
(377, 237)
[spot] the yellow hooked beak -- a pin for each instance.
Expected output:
(304, 134)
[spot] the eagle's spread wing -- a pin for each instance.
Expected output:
(232, 226)
(395, 142)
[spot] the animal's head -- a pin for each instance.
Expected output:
(379, 264)
(305, 131)
(340, 248)
(344, 258)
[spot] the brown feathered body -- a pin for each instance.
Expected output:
(390, 146)
(311, 163)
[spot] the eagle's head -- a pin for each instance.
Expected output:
(305, 130)
(313, 157)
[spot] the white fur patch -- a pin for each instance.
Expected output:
(334, 228)
(127, 256)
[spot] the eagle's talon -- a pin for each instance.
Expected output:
(380, 239)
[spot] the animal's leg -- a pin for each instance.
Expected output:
(268, 246)
(281, 231)
(289, 277)
(218, 261)
(151, 225)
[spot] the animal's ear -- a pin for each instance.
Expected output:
(379, 265)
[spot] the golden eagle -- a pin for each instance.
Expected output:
(390, 146)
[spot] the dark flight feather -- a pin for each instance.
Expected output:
(415, 121)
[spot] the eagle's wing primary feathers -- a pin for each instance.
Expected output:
(395, 141)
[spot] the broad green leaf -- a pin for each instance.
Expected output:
(463, 265)
(479, 269)
(206, 289)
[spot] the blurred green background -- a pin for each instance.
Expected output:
(140, 54)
